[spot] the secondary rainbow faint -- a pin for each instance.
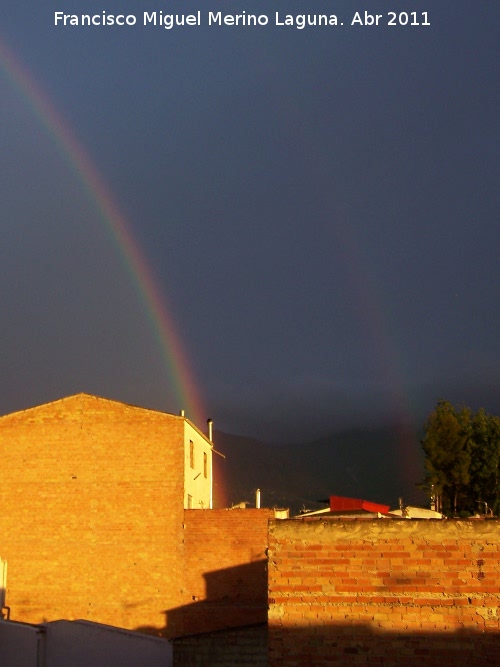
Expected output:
(153, 300)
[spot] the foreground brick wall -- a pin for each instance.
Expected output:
(384, 592)
(224, 571)
(91, 493)
(244, 647)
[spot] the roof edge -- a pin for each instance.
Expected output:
(86, 395)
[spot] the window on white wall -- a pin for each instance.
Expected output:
(205, 465)
(191, 453)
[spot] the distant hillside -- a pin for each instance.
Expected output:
(379, 464)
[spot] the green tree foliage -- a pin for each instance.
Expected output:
(462, 460)
(447, 456)
(483, 492)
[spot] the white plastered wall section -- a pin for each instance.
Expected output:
(197, 469)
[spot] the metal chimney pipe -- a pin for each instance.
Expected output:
(182, 413)
(210, 425)
(257, 499)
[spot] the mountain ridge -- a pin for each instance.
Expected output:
(380, 464)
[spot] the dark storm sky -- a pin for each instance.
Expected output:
(319, 207)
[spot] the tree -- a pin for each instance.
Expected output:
(447, 455)
(462, 460)
(484, 446)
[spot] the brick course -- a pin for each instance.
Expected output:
(386, 591)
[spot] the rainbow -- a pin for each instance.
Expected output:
(154, 302)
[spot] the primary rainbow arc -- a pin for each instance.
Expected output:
(154, 302)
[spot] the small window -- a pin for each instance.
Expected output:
(191, 453)
(205, 465)
(190, 502)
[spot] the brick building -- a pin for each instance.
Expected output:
(95, 521)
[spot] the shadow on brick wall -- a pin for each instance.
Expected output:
(245, 647)
(321, 645)
(234, 597)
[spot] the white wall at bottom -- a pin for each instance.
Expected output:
(79, 644)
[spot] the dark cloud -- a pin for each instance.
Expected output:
(319, 207)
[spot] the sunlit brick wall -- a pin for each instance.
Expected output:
(384, 592)
(91, 498)
(225, 570)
